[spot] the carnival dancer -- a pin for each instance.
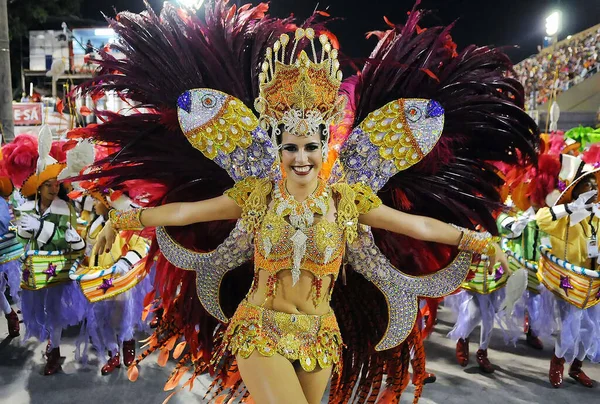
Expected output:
(295, 217)
(50, 302)
(116, 295)
(568, 271)
(479, 303)
(529, 190)
(10, 252)
(521, 239)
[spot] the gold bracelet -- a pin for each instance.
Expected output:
(126, 220)
(477, 242)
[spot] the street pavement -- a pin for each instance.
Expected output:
(521, 376)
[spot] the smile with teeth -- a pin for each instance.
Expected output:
(301, 169)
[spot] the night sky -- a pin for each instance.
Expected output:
(483, 22)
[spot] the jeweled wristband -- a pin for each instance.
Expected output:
(476, 242)
(126, 220)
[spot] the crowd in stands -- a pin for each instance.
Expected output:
(573, 60)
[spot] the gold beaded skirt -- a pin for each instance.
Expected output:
(313, 340)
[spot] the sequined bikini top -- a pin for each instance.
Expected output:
(318, 249)
(286, 234)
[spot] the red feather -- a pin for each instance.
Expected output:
(388, 22)
(60, 106)
(20, 158)
(85, 111)
(58, 151)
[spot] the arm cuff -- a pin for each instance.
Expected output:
(46, 232)
(78, 245)
(558, 212)
(132, 257)
(24, 234)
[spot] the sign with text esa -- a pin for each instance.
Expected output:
(27, 113)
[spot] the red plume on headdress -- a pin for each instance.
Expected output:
(21, 157)
(554, 144)
(544, 179)
(58, 152)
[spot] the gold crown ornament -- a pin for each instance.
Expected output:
(302, 94)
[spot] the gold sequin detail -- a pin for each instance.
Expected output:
(366, 199)
(347, 212)
(388, 129)
(310, 339)
(251, 195)
(322, 235)
(229, 128)
(126, 220)
(302, 92)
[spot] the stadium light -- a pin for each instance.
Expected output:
(193, 4)
(553, 23)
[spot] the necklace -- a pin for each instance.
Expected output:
(302, 216)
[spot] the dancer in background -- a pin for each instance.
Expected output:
(50, 301)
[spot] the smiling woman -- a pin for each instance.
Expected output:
(46, 228)
(257, 100)
(302, 159)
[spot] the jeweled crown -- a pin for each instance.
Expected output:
(299, 93)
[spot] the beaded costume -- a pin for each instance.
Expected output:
(405, 132)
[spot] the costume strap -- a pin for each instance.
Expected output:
(365, 198)
(357, 199)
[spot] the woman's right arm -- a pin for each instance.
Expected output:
(184, 213)
(177, 214)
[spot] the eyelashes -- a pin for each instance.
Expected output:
(310, 147)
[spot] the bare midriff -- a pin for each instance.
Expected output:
(293, 299)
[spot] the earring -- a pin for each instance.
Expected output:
(325, 150)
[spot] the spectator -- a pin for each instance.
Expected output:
(571, 63)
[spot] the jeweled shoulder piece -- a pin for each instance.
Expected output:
(211, 267)
(391, 139)
(297, 91)
(401, 291)
(226, 131)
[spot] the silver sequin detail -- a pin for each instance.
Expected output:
(426, 131)
(299, 242)
(401, 291)
(210, 267)
(257, 160)
(361, 161)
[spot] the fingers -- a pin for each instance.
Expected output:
(101, 242)
(110, 239)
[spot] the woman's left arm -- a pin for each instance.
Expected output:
(428, 229)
